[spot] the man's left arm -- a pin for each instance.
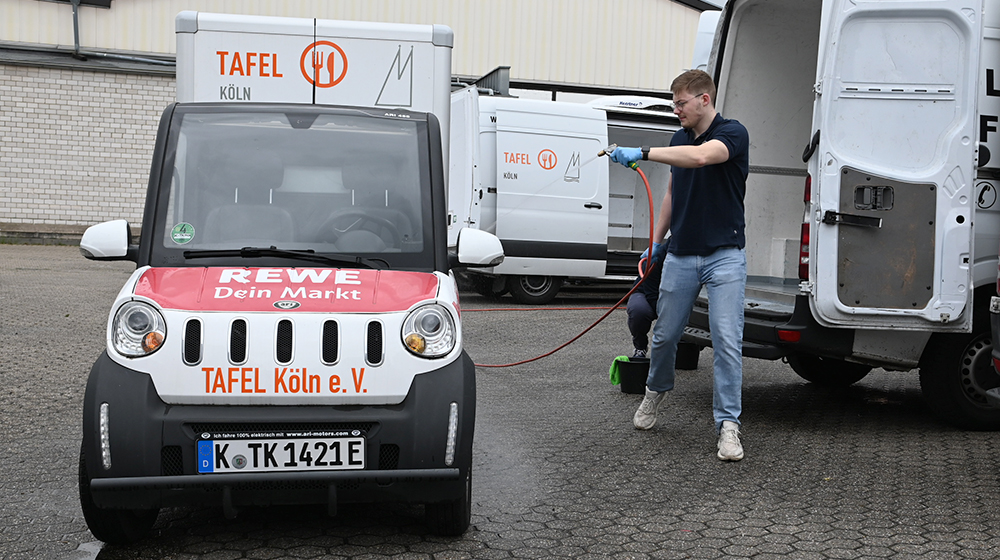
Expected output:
(709, 153)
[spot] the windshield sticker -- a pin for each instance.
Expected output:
(182, 233)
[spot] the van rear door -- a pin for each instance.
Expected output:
(892, 201)
(465, 190)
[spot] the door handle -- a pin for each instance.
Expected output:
(596, 205)
(833, 218)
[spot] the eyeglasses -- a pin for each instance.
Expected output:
(681, 104)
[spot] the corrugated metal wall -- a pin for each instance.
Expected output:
(627, 43)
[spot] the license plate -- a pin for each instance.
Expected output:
(284, 454)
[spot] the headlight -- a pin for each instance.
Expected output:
(429, 331)
(138, 329)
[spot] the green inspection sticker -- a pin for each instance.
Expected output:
(182, 233)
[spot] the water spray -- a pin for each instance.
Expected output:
(642, 271)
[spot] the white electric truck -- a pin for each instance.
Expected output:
(292, 332)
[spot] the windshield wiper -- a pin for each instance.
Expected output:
(297, 254)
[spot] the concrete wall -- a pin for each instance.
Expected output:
(75, 148)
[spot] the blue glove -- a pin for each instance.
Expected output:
(656, 250)
(659, 252)
(626, 156)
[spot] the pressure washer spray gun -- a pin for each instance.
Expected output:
(607, 152)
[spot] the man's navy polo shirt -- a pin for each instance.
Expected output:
(707, 212)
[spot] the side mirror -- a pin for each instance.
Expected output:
(476, 248)
(108, 241)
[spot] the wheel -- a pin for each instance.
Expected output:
(687, 355)
(451, 518)
(113, 526)
(827, 372)
(533, 290)
(956, 371)
(358, 219)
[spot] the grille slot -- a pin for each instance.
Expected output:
(373, 350)
(331, 342)
(283, 342)
(192, 342)
(388, 456)
(238, 341)
(171, 460)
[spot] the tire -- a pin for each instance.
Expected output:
(113, 526)
(451, 518)
(687, 355)
(827, 372)
(533, 290)
(956, 371)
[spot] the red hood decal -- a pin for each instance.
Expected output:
(310, 290)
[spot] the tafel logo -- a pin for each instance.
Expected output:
(323, 64)
(547, 159)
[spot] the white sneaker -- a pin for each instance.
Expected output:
(645, 417)
(730, 448)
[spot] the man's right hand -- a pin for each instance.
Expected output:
(626, 156)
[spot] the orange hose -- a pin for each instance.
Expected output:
(642, 278)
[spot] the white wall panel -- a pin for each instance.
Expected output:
(628, 43)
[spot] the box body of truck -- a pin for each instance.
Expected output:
(292, 332)
(528, 172)
(871, 229)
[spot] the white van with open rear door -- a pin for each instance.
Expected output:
(875, 246)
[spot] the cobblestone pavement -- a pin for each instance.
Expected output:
(863, 472)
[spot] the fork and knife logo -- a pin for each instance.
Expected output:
(323, 64)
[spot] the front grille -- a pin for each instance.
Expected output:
(171, 460)
(373, 349)
(331, 342)
(388, 456)
(238, 341)
(283, 342)
(192, 342)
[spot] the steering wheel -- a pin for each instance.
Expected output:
(355, 219)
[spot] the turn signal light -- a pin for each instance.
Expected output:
(416, 343)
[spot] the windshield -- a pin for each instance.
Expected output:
(349, 184)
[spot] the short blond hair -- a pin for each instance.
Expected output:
(695, 82)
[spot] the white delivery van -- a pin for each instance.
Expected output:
(528, 171)
(876, 244)
(291, 333)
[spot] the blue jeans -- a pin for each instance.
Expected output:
(640, 317)
(724, 272)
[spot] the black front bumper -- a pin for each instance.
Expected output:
(154, 456)
(760, 333)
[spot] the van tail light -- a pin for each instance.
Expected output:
(789, 335)
(804, 234)
(804, 252)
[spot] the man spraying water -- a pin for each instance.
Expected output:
(704, 211)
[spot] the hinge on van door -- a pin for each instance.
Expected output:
(834, 218)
